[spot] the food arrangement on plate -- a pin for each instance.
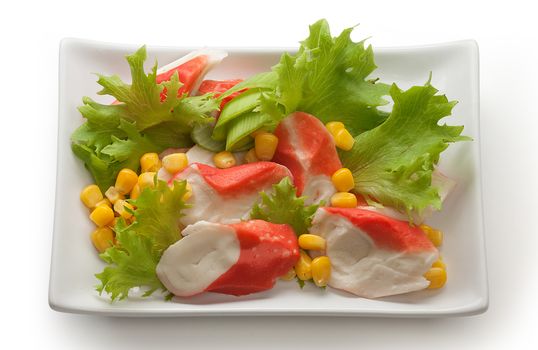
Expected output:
(298, 173)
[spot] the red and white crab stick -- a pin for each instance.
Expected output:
(373, 255)
(308, 150)
(227, 195)
(235, 259)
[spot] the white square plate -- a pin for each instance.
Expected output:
(455, 73)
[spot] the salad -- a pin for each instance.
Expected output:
(295, 174)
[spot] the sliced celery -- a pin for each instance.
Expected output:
(241, 128)
(243, 103)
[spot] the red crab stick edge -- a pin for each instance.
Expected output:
(235, 259)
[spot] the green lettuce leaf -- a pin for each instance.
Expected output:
(142, 101)
(328, 78)
(284, 207)
(130, 149)
(119, 154)
(132, 263)
(158, 212)
(101, 125)
(102, 169)
(115, 136)
(133, 260)
(392, 164)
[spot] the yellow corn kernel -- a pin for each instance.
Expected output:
(344, 200)
(175, 162)
(105, 202)
(102, 238)
(119, 207)
(224, 160)
(256, 132)
(344, 140)
(126, 180)
(146, 180)
(150, 162)
(265, 145)
(187, 194)
(333, 127)
(436, 276)
(435, 236)
(439, 263)
(311, 242)
(102, 215)
(321, 270)
(303, 267)
(135, 192)
(250, 156)
(91, 195)
(343, 180)
(113, 194)
(289, 275)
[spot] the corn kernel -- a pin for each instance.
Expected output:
(321, 270)
(105, 202)
(102, 238)
(150, 162)
(146, 180)
(119, 207)
(435, 236)
(343, 180)
(289, 275)
(333, 127)
(303, 267)
(126, 180)
(344, 140)
(256, 132)
(175, 162)
(265, 145)
(250, 156)
(344, 200)
(135, 192)
(439, 263)
(224, 160)
(311, 242)
(91, 195)
(436, 276)
(113, 194)
(102, 215)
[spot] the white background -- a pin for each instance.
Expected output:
(30, 34)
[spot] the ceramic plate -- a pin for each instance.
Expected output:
(455, 73)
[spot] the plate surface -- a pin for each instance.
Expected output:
(455, 73)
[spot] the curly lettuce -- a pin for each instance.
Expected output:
(284, 207)
(133, 260)
(392, 164)
(328, 78)
(154, 121)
